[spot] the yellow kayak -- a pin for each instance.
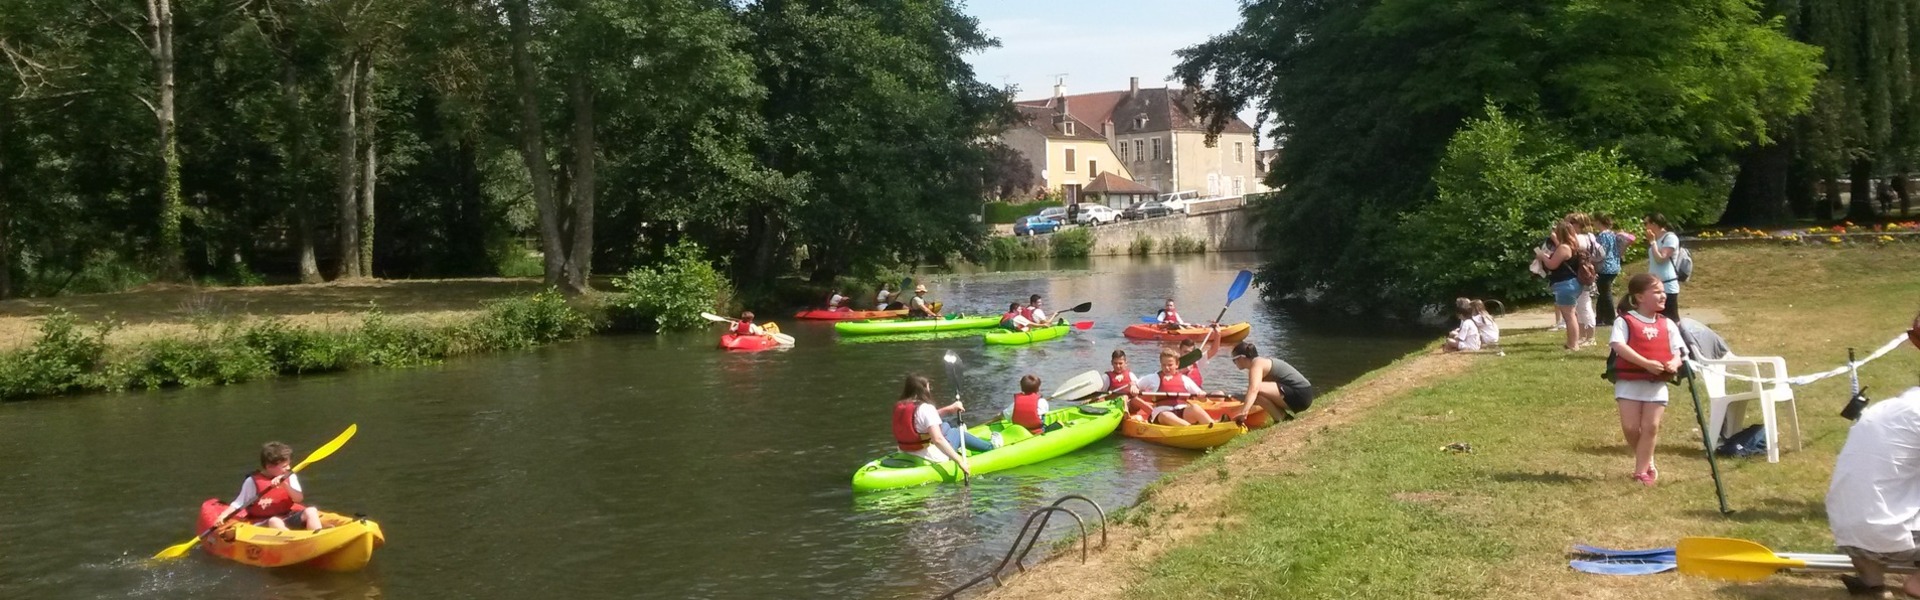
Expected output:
(1195, 437)
(343, 543)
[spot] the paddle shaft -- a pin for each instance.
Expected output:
(1700, 417)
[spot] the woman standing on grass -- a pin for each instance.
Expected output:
(1562, 280)
(1648, 351)
(1663, 244)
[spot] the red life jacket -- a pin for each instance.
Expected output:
(1168, 316)
(1026, 412)
(1651, 341)
(1173, 384)
(743, 328)
(273, 501)
(1119, 380)
(1193, 372)
(904, 434)
(1006, 320)
(1027, 311)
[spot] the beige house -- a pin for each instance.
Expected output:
(1155, 137)
(1067, 153)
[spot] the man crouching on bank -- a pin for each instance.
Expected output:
(1873, 504)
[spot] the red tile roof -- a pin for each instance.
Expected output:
(1112, 183)
(1164, 107)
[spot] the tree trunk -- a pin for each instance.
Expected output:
(1759, 195)
(1831, 204)
(1860, 207)
(160, 48)
(363, 97)
(533, 146)
(347, 170)
(580, 259)
(6, 239)
(1906, 196)
(295, 190)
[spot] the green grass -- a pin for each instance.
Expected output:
(1374, 509)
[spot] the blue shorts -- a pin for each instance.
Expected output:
(1565, 293)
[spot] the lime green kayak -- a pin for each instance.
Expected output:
(1016, 338)
(1082, 425)
(914, 325)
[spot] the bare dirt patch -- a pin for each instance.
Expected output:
(1199, 496)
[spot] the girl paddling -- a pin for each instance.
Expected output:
(1648, 352)
(919, 431)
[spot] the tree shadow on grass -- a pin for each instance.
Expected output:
(1620, 450)
(1553, 477)
(1785, 588)
(1776, 510)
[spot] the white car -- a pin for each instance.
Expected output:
(1178, 201)
(1097, 214)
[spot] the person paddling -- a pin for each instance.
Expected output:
(271, 496)
(1035, 313)
(918, 429)
(1192, 371)
(1015, 319)
(882, 297)
(745, 325)
(1029, 410)
(836, 302)
(918, 307)
(1170, 318)
(1272, 384)
(1174, 409)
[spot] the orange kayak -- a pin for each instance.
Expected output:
(1194, 437)
(1229, 334)
(848, 315)
(342, 544)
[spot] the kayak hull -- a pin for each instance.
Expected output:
(1229, 334)
(345, 544)
(849, 315)
(1192, 437)
(747, 342)
(914, 325)
(1018, 338)
(1080, 427)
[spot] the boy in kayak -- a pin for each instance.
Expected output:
(1192, 371)
(1015, 319)
(917, 307)
(745, 325)
(1170, 318)
(919, 430)
(1122, 381)
(1173, 409)
(835, 301)
(271, 496)
(1029, 410)
(1036, 314)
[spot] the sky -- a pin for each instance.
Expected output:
(1097, 44)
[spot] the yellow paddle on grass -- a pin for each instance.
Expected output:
(181, 549)
(1742, 560)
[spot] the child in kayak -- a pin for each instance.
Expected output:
(1122, 381)
(1170, 318)
(835, 301)
(1029, 410)
(882, 297)
(917, 307)
(916, 423)
(1173, 409)
(1036, 314)
(270, 497)
(1272, 384)
(745, 325)
(1015, 319)
(1192, 371)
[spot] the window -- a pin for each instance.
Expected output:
(1093, 168)
(1140, 122)
(1239, 186)
(1069, 160)
(1239, 152)
(1123, 151)
(1137, 154)
(1067, 127)
(1156, 148)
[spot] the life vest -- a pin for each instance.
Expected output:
(1119, 380)
(1651, 341)
(743, 328)
(1193, 372)
(904, 434)
(1026, 412)
(1173, 384)
(273, 501)
(1168, 316)
(1006, 320)
(1027, 311)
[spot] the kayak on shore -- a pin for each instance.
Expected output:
(914, 325)
(1081, 425)
(1038, 334)
(1198, 436)
(1229, 334)
(343, 544)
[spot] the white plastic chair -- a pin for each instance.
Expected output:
(1723, 392)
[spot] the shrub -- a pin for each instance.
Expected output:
(669, 295)
(57, 362)
(542, 318)
(295, 350)
(1004, 248)
(1003, 213)
(1072, 243)
(1141, 246)
(217, 360)
(381, 342)
(1186, 245)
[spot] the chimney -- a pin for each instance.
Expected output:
(1133, 86)
(1060, 87)
(1108, 129)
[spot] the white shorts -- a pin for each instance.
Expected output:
(1158, 410)
(1644, 391)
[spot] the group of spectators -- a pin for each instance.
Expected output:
(1581, 259)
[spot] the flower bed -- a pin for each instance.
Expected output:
(1844, 233)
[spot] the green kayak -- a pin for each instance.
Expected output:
(1082, 426)
(1016, 338)
(913, 325)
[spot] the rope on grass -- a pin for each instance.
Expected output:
(1806, 379)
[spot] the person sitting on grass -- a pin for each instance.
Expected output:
(1015, 319)
(1489, 330)
(1029, 410)
(918, 429)
(745, 325)
(1173, 408)
(1465, 337)
(270, 497)
(1873, 502)
(1272, 384)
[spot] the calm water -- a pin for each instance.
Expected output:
(616, 467)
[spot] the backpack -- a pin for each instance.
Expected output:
(1682, 264)
(1751, 441)
(1585, 268)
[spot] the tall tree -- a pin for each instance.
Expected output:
(157, 41)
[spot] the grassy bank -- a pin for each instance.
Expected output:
(1369, 506)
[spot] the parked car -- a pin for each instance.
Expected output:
(1145, 209)
(1095, 214)
(1057, 213)
(1179, 201)
(1034, 225)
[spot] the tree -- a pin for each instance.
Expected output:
(1368, 92)
(157, 42)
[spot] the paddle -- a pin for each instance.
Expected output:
(953, 379)
(1080, 386)
(1239, 288)
(784, 339)
(1731, 559)
(326, 450)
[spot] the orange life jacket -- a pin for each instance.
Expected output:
(1026, 412)
(904, 434)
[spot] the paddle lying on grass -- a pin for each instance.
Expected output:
(784, 339)
(1742, 560)
(953, 379)
(326, 450)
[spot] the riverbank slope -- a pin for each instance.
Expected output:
(1359, 499)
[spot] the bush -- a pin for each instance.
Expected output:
(1186, 245)
(381, 342)
(670, 295)
(295, 350)
(1005, 248)
(1003, 213)
(535, 320)
(209, 361)
(57, 362)
(1141, 246)
(1072, 243)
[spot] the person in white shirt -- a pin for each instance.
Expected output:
(835, 301)
(882, 297)
(1035, 313)
(1466, 336)
(1873, 502)
(1648, 351)
(1484, 323)
(1172, 407)
(919, 431)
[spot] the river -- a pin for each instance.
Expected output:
(614, 467)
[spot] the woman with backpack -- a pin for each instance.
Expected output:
(1562, 278)
(1663, 247)
(1587, 251)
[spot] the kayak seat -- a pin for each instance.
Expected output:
(1094, 410)
(901, 462)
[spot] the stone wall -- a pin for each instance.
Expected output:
(1230, 230)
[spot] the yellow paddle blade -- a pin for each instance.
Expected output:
(330, 447)
(177, 550)
(1730, 559)
(771, 327)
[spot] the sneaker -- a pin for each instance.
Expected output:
(997, 442)
(1645, 479)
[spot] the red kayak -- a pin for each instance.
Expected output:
(1229, 334)
(848, 315)
(748, 342)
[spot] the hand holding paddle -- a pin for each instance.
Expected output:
(326, 450)
(1239, 288)
(953, 379)
(784, 339)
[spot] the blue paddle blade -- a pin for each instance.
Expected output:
(1149, 320)
(1622, 566)
(1616, 553)
(1240, 284)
